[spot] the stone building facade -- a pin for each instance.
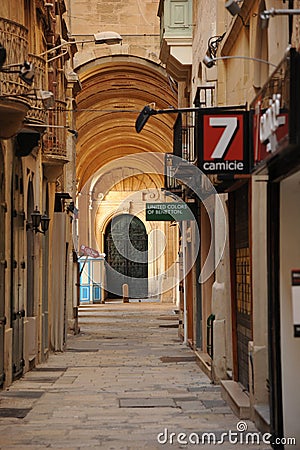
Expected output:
(36, 154)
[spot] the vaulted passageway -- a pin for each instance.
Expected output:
(114, 90)
(118, 171)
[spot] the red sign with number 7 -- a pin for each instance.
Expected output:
(224, 144)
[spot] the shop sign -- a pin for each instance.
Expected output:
(275, 110)
(168, 211)
(88, 251)
(270, 128)
(223, 143)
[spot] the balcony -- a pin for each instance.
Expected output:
(37, 113)
(176, 36)
(54, 140)
(179, 169)
(13, 106)
(176, 168)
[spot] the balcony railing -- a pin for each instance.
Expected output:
(184, 141)
(13, 37)
(54, 141)
(37, 113)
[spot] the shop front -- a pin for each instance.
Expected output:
(276, 144)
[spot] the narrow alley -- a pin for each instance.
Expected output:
(125, 382)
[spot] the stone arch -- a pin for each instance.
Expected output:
(114, 90)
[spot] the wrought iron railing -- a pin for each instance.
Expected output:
(205, 96)
(13, 37)
(54, 141)
(184, 138)
(188, 130)
(171, 183)
(37, 112)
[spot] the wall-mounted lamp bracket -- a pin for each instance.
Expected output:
(265, 15)
(37, 220)
(25, 70)
(148, 111)
(209, 62)
(104, 37)
(213, 44)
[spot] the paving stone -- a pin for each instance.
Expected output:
(146, 402)
(22, 394)
(113, 391)
(214, 403)
(18, 413)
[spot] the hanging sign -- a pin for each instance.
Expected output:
(223, 142)
(270, 128)
(275, 113)
(88, 251)
(168, 211)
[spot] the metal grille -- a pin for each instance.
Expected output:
(243, 281)
(54, 143)
(243, 292)
(185, 138)
(188, 130)
(125, 236)
(183, 147)
(37, 112)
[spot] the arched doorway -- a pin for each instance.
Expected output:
(126, 248)
(17, 267)
(30, 254)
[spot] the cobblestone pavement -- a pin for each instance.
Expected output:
(126, 382)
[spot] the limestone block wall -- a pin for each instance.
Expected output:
(135, 20)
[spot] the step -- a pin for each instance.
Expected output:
(234, 395)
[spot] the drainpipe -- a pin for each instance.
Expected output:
(199, 339)
(210, 335)
(90, 218)
(12, 245)
(185, 324)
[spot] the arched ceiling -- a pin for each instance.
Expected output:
(121, 180)
(114, 91)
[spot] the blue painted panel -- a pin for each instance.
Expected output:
(96, 293)
(84, 294)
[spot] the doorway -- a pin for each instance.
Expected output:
(2, 265)
(239, 204)
(126, 249)
(17, 268)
